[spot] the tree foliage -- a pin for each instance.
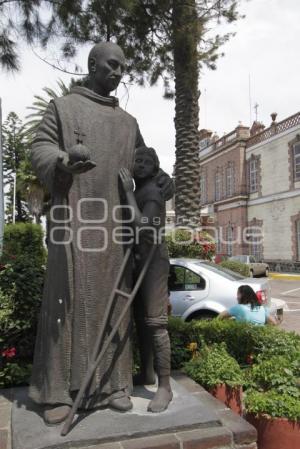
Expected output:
(18, 19)
(15, 152)
(143, 28)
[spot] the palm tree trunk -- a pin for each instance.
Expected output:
(187, 168)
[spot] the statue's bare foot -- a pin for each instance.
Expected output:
(144, 379)
(56, 415)
(122, 404)
(161, 400)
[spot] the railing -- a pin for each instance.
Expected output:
(239, 132)
(274, 129)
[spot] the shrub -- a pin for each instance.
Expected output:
(180, 245)
(277, 372)
(180, 338)
(21, 282)
(271, 354)
(214, 366)
(237, 267)
(273, 404)
(242, 339)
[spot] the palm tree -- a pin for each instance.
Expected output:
(37, 196)
(186, 35)
(40, 105)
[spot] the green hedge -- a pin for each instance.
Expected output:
(269, 356)
(212, 366)
(22, 269)
(182, 243)
(237, 267)
(243, 340)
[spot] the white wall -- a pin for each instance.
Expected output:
(277, 227)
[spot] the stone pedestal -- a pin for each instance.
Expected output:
(194, 420)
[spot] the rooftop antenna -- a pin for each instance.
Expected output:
(256, 111)
(250, 101)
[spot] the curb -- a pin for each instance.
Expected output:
(285, 276)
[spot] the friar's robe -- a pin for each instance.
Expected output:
(80, 276)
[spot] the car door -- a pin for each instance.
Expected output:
(253, 265)
(186, 287)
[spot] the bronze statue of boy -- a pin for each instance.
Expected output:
(151, 302)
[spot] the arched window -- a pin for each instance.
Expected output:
(218, 186)
(253, 184)
(203, 187)
(229, 240)
(296, 154)
(230, 179)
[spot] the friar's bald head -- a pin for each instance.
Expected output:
(106, 65)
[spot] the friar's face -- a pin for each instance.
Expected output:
(107, 67)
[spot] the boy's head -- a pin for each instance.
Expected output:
(146, 163)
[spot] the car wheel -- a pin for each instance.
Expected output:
(205, 315)
(267, 272)
(251, 274)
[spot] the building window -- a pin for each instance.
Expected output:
(297, 162)
(229, 240)
(253, 185)
(203, 189)
(218, 188)
(255, 242)
(298, 238)
(256, 250)
(230, 180)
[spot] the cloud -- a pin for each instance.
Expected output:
(266, 46)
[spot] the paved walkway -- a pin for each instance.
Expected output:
(288, 289)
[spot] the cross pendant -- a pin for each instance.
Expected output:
(79, 135)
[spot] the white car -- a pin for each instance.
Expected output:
(201, 289)
(256, 268)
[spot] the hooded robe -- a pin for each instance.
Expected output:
(83, 259)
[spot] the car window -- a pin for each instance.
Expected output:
(252, 259)
(183, 279)
(228, 274)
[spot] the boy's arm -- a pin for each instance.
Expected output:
(152, 208)
(166, 184)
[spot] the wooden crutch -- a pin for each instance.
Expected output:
(99, 352)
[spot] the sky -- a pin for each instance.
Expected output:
(264, 49)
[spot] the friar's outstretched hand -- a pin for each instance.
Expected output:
(126, 180)
(75, 168)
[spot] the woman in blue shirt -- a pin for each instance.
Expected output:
(248, 308)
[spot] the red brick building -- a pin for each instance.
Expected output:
(250, 190)
(224, 188)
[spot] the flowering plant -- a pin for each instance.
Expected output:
(9, 353)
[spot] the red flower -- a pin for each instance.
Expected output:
(249, 359)
(9, 353)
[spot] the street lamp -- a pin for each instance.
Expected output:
(1, 186)
(14, 197)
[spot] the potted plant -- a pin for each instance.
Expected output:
(276, 417)
(273, 400)
(219, 373)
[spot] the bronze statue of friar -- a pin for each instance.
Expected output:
(82, 143)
